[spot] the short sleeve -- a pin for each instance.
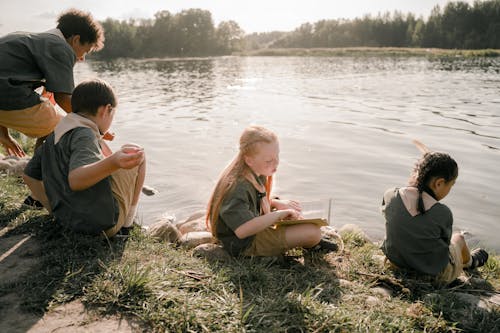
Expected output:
(386, 199)
(84, 149)
(34, 167)
(57, 67)
(235, 209)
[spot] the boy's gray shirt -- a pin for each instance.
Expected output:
(418, 242)
(28, 60)
(88, 211)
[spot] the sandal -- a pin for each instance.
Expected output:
(479, 258)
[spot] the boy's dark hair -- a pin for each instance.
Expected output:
(431, 165)
(76, 22)
(89, 95)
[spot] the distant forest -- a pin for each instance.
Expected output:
(192, 33)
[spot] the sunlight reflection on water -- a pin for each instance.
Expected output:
(345, 127)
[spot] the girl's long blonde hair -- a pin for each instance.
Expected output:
(237, 169)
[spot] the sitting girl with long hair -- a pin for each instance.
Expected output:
(241, 212)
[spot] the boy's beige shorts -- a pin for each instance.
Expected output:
(455, 265)
(123, 186)
(36, 121)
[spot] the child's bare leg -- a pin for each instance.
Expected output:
(141, 175)
(302, 235)
(459, 239)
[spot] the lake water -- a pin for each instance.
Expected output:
(345, 125)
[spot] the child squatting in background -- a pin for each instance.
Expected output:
(240, 212)
(31, 60)
(75, 175)
(419, 227)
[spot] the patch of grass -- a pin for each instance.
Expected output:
(491, 271)
(455, 308)
(165, 288)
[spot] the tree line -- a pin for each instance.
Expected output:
(457, 26)
(192, 32)
(188, 33)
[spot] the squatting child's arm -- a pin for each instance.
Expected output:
(88, 175)
(64, 101)
(262, 222)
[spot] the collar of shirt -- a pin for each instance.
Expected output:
(74, 120)
(410, 194)
(56, 32)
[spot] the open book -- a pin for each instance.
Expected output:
(316, 212)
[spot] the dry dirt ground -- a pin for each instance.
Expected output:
(18, 256)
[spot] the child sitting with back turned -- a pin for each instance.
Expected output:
(419, 227)
(75, 175)
(240, 212)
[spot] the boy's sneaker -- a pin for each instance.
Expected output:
(29, 201)
(124, 232)
(479, 258)
(148, 190)
(325, 245)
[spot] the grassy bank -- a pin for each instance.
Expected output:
(164, 288)
(373, 51)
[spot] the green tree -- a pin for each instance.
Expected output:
(193, 32)
(120, 37)
(229, 37)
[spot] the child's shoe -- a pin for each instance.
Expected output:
(479, 258)
(325, 245)
(149, 191)
(124, 232)
(33, 203)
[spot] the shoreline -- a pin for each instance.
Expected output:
(373, 51)
(51, 279)
(335, 52)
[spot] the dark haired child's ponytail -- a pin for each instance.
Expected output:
(420, 203)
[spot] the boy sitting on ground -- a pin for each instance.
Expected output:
(75, 175)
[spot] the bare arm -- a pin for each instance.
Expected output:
(64, 101)
(285, 204)
(262, 222)
(88, 175)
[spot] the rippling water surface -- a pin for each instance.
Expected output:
(345, 125)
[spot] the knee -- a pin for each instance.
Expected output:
(458, 238)
(312, 235)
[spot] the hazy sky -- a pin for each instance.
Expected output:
(251, 15)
